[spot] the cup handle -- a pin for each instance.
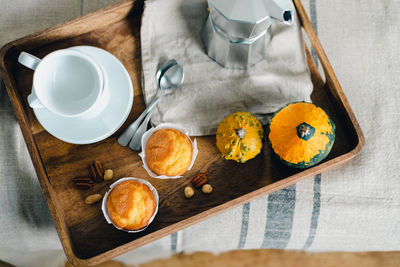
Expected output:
(33, 101)
(31, 62)
(28, 60)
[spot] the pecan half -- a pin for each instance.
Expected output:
(96, 171)
(199, 179)
(83, 183)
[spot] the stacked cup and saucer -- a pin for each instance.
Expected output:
(81, 94)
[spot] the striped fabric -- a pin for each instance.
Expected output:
(353, 208)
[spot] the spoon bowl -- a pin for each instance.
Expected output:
(161, 70)
(172, 77)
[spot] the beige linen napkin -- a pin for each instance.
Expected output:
(171, 29)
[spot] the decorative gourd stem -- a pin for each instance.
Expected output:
(241, 133)
(305, 131)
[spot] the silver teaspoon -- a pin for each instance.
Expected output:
(168, 76)
(136, 142)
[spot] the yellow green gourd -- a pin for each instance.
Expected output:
(239, 137)
(301, 134)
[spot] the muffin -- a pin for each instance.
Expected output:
(168, 152)
(131, 205)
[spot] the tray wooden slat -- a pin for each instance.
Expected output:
(86, 237)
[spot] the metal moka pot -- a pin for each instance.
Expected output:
(237, 32)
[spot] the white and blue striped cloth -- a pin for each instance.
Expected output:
(353, 208)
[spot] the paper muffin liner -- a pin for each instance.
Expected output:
(146, 137)
(104, 203)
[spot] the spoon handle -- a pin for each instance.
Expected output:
(127, 135)
(136, 142)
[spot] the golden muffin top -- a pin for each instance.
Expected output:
(130, 205)
(168, 152)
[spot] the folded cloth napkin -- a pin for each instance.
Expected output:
(171, 29)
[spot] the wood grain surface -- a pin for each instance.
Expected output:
(86, 237)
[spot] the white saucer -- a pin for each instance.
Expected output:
(110, 119)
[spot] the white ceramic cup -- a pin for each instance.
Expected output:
(65, 82)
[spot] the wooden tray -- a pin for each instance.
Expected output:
(86, 237)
